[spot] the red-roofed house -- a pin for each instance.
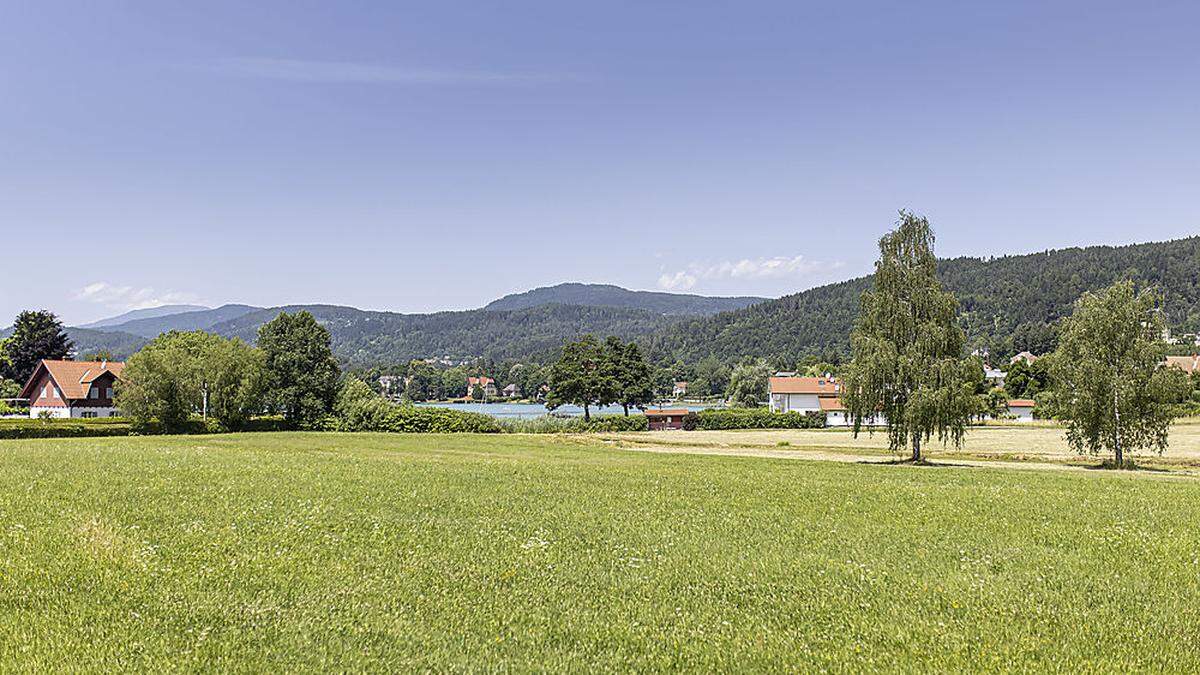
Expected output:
(802, 394)
(488, 384)
(1022, 409)
(1188, 364)
(73, 388)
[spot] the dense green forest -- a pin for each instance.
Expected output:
(605, 295)
(1007, 304)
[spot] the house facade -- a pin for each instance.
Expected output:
(813, 394)
(67, 389)
(511, 391)
(680, 389)
(1021, 409)
(660, 419)
(801, 394)
(486, 383)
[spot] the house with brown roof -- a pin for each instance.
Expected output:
(73, 388)
(813, 394)
(1188, 364)
(659, 419)
(801, 394)
(680, 389)
(486, 383)
(1022, 409)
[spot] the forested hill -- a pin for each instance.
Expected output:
(605, 295)
(1000, 298)
(363, 338)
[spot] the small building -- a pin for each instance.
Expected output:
(69, 389)
(660, 419)
(1021, 409)
(836, 414)
(1027, 357)
(487, 383)
(801, 394)
(993, 376)
(680, 389)
(1188, 364)
(511, 391)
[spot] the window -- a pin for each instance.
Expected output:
(45, 391)
(108, 393)
(88, 414)
(94, 392)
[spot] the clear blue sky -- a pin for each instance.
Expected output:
(422, 156)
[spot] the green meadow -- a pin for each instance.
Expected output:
(291, 551)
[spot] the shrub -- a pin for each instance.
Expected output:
(755, 418)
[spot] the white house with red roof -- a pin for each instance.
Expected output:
(73, 388)
(812, 394)
(1022, 409)
(486, 383)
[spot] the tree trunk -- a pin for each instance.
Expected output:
(587, 416)
(916, 456)
(1118, 452)
(626, 406)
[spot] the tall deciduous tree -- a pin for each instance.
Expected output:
(632, 378)
(908, 349)
(302, 374)
(748, 383)
(36, 335)
(581, 377)
(1107, 375)
(180, 374)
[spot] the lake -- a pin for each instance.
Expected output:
(532, 410)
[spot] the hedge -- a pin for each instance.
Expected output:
(753, 418)
(118, 426)
(377, 414)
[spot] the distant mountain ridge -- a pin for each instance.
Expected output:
(607, 295)
(997, 297)
(202, 319)
(149, 313)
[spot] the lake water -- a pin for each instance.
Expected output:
(532, 410)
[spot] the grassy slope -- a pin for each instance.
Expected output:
(292, 551)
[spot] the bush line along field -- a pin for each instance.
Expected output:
(305, 551)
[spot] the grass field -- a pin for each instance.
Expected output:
(272, 552)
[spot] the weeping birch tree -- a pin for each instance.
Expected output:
(909, 367)
(1107, 375)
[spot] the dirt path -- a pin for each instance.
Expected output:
(1035, 448)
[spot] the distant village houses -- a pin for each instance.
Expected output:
(680, 389)
(68, 389)
(788, 393)
(486, 383)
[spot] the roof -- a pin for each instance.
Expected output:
(831, 403)
(1027, 357)
(653, 412)
(1022, 403)
(73, 377)
(681, 382)
(1189, 364)
(472, 381)
(821, 386)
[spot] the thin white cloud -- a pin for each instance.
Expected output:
(130, 298)
(746, 269)
(346, 72)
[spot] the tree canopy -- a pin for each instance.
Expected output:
(1108, 380)
(581, 377)
(36, 335)
(908, 348)
(301, 373)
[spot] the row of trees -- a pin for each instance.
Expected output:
(1105, 377)
(291, 372)
(594, 373)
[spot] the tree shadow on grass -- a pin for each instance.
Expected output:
(921, 462)
(1110, 465)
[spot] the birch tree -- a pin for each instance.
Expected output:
(908, 349)
(1109, 384)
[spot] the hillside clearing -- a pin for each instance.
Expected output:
(349, 552)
